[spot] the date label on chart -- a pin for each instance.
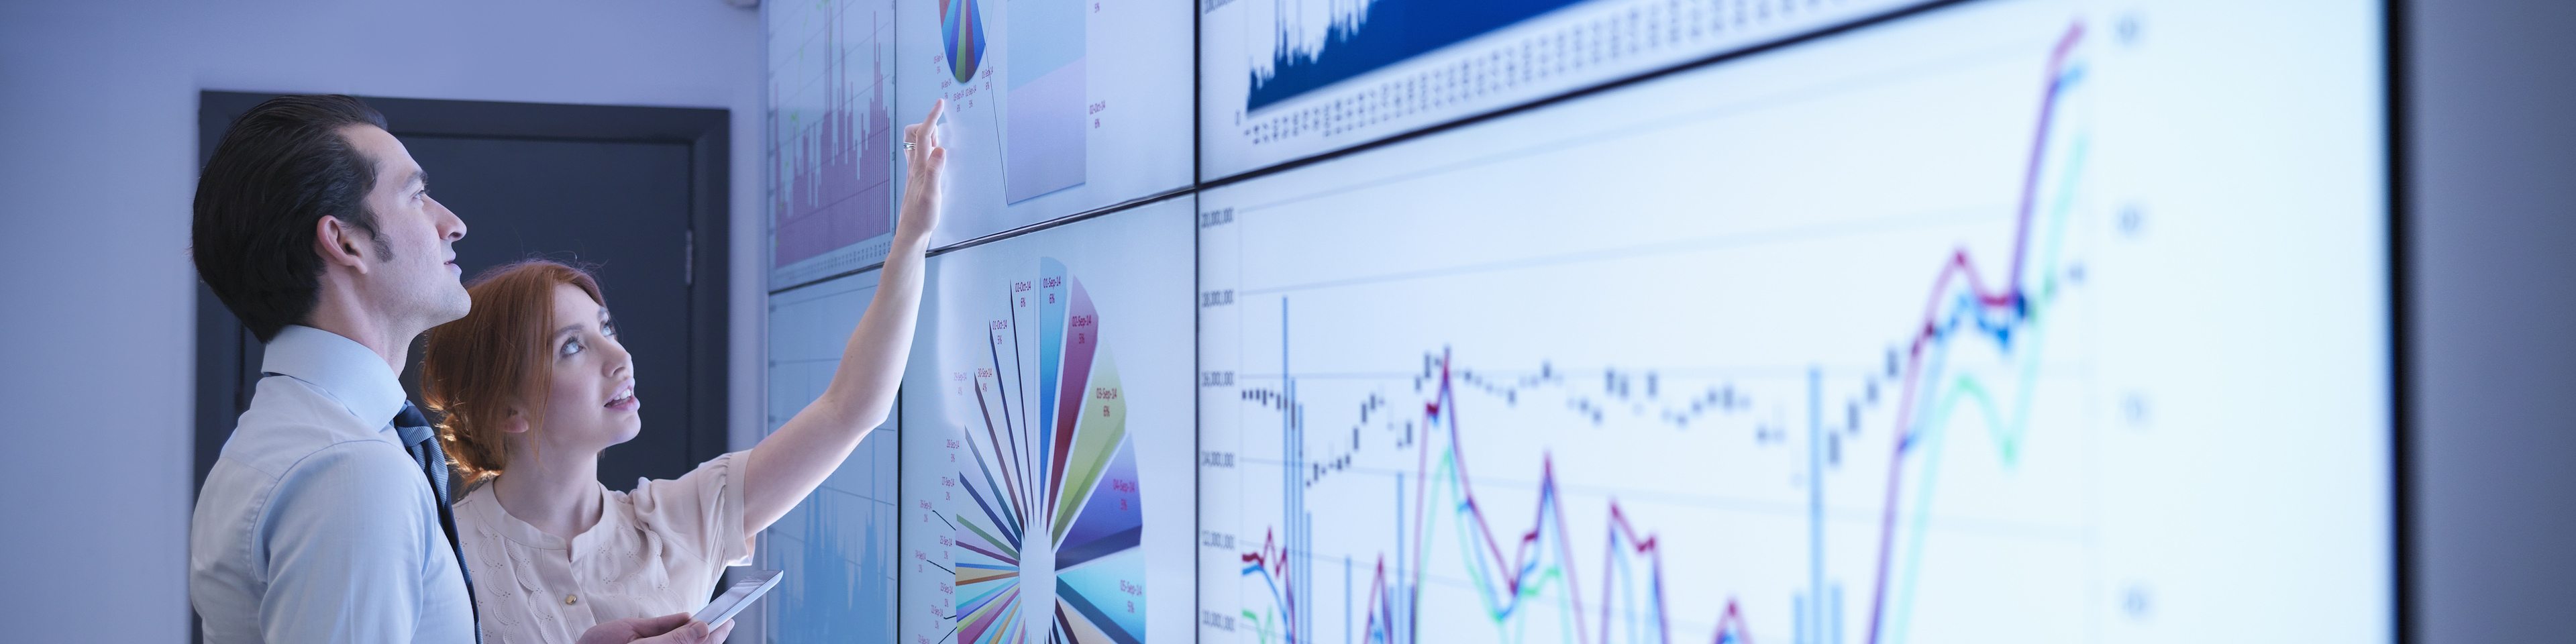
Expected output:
(1216, 620)
(1217, 217)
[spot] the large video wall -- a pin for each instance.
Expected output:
(1820, 322)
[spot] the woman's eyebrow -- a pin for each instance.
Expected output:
(568, 328)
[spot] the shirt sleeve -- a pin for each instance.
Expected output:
(701, 510)
(345, 556)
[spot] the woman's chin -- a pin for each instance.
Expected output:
(631, 428)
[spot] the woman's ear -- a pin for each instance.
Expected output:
(517, 423)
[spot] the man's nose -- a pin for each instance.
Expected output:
(452, 225)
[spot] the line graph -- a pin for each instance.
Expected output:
(1532, 576)
(2013, 302)
(1974, 326)
(1512, 577)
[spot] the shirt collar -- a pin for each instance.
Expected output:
(348, 371)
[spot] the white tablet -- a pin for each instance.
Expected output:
(745, 588)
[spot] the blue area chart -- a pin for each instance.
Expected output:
(1378, 34)
(838, 544)
(841, 552)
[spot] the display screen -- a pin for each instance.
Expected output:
(831, 137)
(2007, 322)
(1829, 322)
(1055, 107)
(1280, 80)
(1048, 484)
(838, 544)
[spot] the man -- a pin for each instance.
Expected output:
(325, 519)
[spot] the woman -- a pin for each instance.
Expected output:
(535, 384)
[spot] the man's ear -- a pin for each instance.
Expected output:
(341, 244)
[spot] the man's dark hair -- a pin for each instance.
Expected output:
(281, 167)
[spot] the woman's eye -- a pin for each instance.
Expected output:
(570, 347)
(608, 329)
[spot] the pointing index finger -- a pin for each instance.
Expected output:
(931, 120)
(935, 108)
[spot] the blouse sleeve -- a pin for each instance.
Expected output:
(700, 511)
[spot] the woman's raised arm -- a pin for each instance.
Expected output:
(804, 451)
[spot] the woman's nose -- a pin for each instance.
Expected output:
(621, 363)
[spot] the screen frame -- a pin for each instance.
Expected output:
(2397, 253)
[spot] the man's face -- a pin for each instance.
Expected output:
(418, 280)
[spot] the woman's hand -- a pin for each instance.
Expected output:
(675, 628)
(923, 158)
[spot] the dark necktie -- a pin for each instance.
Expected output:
(423, 445)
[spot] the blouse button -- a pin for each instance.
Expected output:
(568, 600)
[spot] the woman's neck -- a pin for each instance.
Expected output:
(559, 495)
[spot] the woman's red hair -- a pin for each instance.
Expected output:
(477, 369)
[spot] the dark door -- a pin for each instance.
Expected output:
(633, 194)
(620, 210)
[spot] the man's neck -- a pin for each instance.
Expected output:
(342, 312)
(558, 494)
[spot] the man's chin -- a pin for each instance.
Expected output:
(458, 306)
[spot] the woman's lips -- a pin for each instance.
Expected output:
(624, 399)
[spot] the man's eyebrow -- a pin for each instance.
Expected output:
(418, 178)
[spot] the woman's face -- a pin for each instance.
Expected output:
(591, 403)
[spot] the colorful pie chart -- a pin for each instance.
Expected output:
(961, 27)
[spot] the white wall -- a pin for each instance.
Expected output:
(98, 149)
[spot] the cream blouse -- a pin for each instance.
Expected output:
(656, 551)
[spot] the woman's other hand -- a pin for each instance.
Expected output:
(675, 628)
(923, 158)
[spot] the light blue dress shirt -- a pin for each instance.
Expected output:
(315, 525)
